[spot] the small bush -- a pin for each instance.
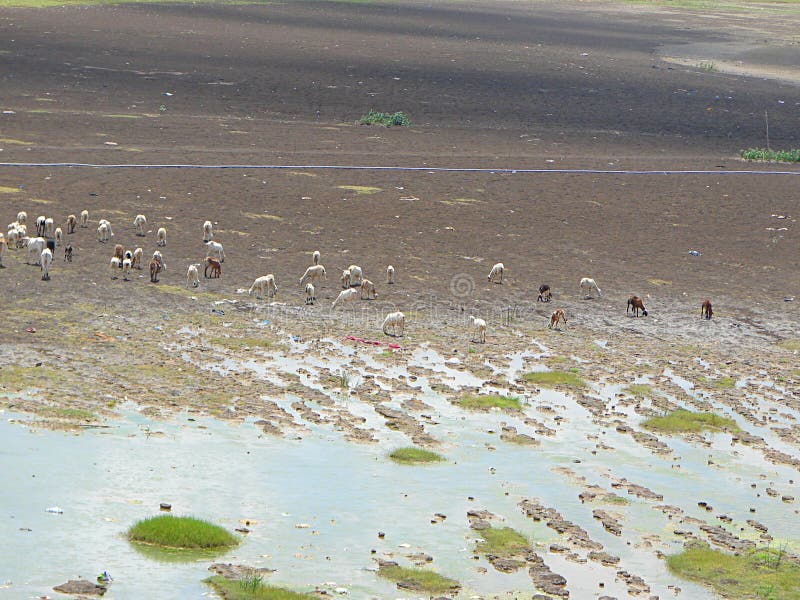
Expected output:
(373, 117)
(419, 579)
(554, 378)
(414, 456)
(771, 155)
(181, 532)
(252, 589)
(684, 421)
(487, 401)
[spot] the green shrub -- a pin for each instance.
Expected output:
(771, 155)
(504, 542)
(373, 117)
(554, 378)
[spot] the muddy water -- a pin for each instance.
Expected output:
(343, 493)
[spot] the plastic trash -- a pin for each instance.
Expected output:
(104, 577)
(55, 510)
(694, 253)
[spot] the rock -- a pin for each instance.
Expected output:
(81, 587)
(604, 558)
(165, 506)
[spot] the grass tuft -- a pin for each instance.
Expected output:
(792, 345)
(762, 154)
(684, 421)
(721, 383)
(487, 401)
(762, 573)
(421, 580)
(373, 117)
(251, 588)
(169, 531)
(554, 378)
(504, 542)
(415, 456)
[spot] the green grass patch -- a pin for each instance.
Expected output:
(251, 588)
(16, 378)
(614, 499)
(706, 66)
(684, 421)
(123, 116)
(554, 378)
(762, 154)
(169, 531)
(639, 390)
(415, 456)
(373, 117)
(762, 573)
(421, 580)
(360, 190)
(8, 190)
(487, 401)
(504, 542)
(73, 414)
(792, 345)
(720, 383)
(14, 142)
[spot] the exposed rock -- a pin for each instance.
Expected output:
(610, 524)
(81, 587)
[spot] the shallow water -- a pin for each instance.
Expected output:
(105, 479)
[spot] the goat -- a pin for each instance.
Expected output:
(119, 252)
(84, 218)
(136, 261)
(140, 222)
(264, 286)
(313, 273)
(348, 295)
(390, 275)
(368, 288)
(192, 276)
(208, 231)
(3, 246)
(46, 259)
(216, 248)
(636, 303)
(345, 278)
(22, 217)
(311, 294)
(126, 269)
(497, 273)
(315, 257)
(35, 247)
(72, 222)
(162, 237)
(395, 320)
(40, 220)
(155, 269)
(103, 232)
(157, 256)
(705, 310)
(215, 266)
(478, 326)
(587, 285)
(113, 266)
(557, 316)
(68, 253)
(544, 293)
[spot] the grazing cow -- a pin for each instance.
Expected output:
(705, 310)
(636, 303)
(558, 316)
